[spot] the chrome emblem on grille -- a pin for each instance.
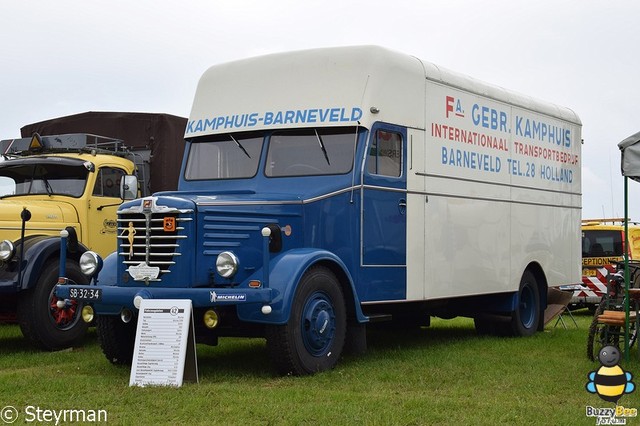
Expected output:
(169, 224)
(130, 237)
(144, 272)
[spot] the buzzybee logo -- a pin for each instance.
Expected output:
(610, 382)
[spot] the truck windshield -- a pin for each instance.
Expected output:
(310, 152)
(42, 178)
(600, 243)
(224, 157)
(300, 152)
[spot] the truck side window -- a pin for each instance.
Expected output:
(108, 182)
(385, 154)
(7, 186)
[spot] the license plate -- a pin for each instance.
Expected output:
(85, 294)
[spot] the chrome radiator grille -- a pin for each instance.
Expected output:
(151, 236)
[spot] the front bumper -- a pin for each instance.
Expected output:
(113, 299)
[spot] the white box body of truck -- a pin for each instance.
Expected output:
(493, 177)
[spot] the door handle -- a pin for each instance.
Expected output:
(402, 206)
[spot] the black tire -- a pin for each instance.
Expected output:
(313, 338)
(633, 334)
(594, 339)
(526, 317)
(41, 321)
(493, 326)
(601, 335)
(117, 339)
(483, 327)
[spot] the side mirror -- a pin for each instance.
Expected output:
(129, 187)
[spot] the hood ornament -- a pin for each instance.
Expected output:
(131, 230)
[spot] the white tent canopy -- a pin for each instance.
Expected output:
(631, 156)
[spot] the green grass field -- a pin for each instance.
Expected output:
(444, 374)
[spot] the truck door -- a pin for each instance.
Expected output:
(104, 203)
(384, 220)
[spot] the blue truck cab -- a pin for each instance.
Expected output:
(324, 189)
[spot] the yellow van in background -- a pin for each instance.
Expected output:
(603, 244)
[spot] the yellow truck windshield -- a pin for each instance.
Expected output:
(42, 176)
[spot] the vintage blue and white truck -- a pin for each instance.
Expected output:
(321, 190)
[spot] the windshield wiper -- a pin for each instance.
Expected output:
(240, 146)
(324, 150)
(47, 186)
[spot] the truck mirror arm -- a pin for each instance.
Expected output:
(107, 205)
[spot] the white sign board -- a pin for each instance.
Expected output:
(164, 352)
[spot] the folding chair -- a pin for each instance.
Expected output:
(557, 306)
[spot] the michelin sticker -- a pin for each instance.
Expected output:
(215, 297)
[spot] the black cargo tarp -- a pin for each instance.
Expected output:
(163, 134)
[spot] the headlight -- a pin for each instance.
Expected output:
(7, 250)
(90, 263)
(227, 264)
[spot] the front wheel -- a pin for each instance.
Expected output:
(117, 339)
(42, 321)
(313, 338)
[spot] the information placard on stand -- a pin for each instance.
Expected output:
(165, 351)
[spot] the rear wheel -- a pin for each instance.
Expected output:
(523, 321)
(483, 327)
(491, 327)
(313, 338)
(42, 321)
(526, 317)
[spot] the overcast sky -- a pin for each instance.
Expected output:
(70, 56)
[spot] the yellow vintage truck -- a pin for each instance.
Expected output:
(71, 181)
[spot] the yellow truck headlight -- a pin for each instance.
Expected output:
(7, 250)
